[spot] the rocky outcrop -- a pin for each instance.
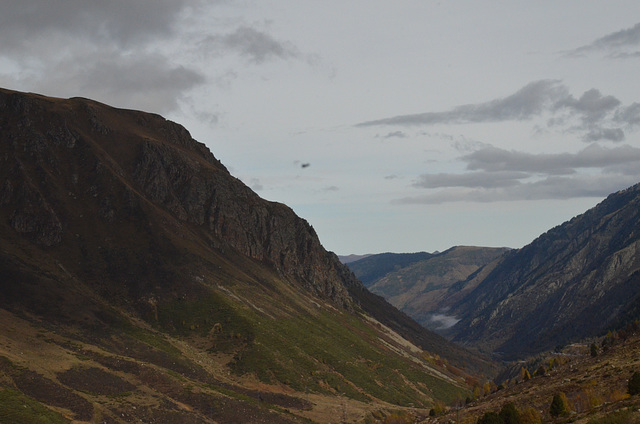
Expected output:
(574, 281)
(126, 159)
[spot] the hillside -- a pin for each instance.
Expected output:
(423, 285)
(141, 281)
(596, 388)
(575, 281)
(373, 267)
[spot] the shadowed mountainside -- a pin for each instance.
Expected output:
(130, 257)
(423, 285)
(576, 280)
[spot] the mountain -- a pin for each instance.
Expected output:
(423, 285)
(577, 280)
(373, 267)
(141, 281)
(345, 259)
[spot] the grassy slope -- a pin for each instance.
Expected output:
(231, 343)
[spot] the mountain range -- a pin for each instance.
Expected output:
(578, 280)
(422, 284)
(141, 281)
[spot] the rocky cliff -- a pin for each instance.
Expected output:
(123, 162)
(577, 280)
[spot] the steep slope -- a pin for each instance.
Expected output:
(577, 280)
(596, 388)
(132, 259)
(422, 285)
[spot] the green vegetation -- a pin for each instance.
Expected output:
(634, 384)
(490, 418)
(559, 405)
(335, 353)
(509, 414)
(619, 417)
(207, 314)
(16, 408)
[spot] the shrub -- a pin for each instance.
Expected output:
(490, 418)
(509, 414)
(594, 350)
(618, 417)
(540, 371)
(530, 416)
(559, 405)
(634, 384)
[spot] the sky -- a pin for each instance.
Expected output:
(391, 126)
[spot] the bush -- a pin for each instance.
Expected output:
(509, 414)
(490, 418)
(618, 417)
(634, 384)
(594, 350)
(530, 416)
(559, 405)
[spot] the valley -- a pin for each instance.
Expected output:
(141, 282)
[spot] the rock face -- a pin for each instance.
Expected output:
(126, 161)
(577, 280)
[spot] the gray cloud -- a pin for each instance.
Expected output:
(610, 134)
(629, 115)
(149, 82)
(254, 45)
(592, 105)
(121, 21)
(470, 179)
(529, 101)
(600, 117)
(554, 187)
(104, 50)
(493, 159)
(393, 134)
(613, 42)
(500, 175)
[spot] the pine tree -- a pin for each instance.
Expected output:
(509, 414)
(559, 405)
(634, 384)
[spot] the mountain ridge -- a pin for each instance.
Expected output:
(127, 244)
(583, 271)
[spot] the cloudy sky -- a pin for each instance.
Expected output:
(400, 125)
